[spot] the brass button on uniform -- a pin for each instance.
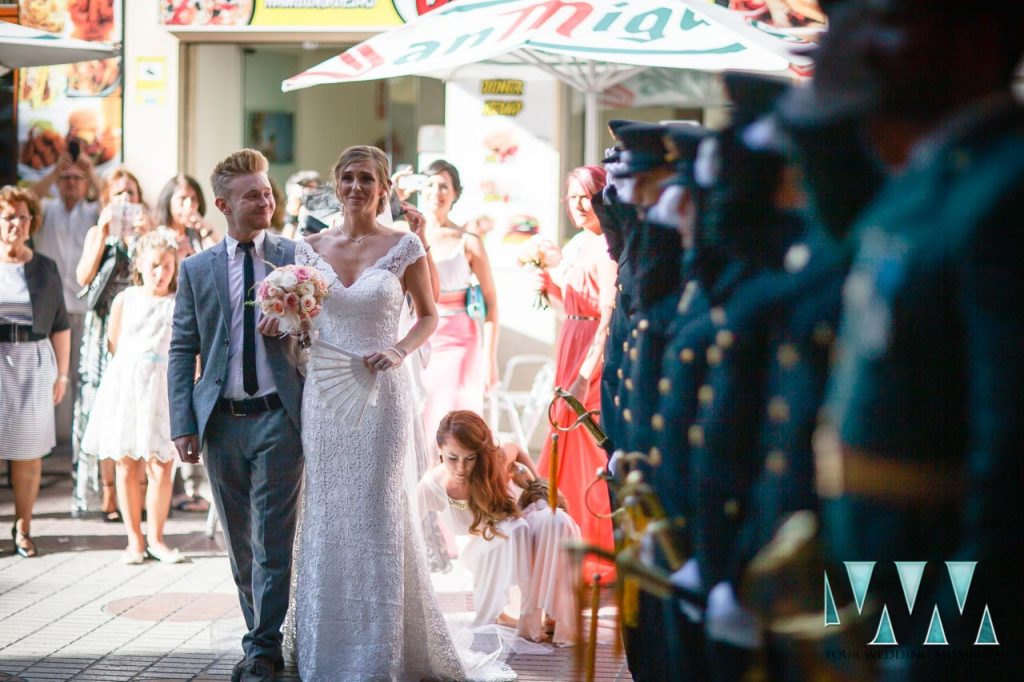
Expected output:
(725, 338)
(643, 325)
(619, 373)
(696, 436)
(615, 400)
(714, 355)
(718, 315)
(788, 355)
(629, 384)
(778, 409)
(823, 334)
(632, 354)
(664, 386)
(658, 422)
(654, 456)
(731, 508)
(686, 355)
(627, 415)
(705, 394)
(775, 462)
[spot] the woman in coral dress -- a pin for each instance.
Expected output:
(584, 289)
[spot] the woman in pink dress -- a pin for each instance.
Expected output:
(584, 289)
(461, 367)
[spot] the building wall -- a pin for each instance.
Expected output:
(151, 125)
(214, 118)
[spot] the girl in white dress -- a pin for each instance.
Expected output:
(130, 420)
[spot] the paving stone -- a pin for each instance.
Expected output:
(77, 613)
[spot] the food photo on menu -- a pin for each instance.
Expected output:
(74, 108)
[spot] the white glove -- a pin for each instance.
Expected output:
(729, 622)
(688, 577)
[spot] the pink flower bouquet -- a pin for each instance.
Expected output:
(541, 253)
(293, 295)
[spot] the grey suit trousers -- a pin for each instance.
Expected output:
(255, 469)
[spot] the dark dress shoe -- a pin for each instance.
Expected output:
(258, 670)
(236, 672)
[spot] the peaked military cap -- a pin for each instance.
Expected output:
(617, 124)
(681, 145)
(643, 149)
(753, 95)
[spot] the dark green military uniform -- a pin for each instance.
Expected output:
(929, 386)
(617, 219)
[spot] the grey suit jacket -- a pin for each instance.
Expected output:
(202, 319)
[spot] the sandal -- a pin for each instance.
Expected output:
(16, 536)
(114, 515)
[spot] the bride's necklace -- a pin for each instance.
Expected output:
(357, 240)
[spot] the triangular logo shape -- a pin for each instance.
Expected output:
(911, 573)
(936, 633)
(831, 612)
(961, 573)
(859, 573)
(884, 636)
(986, 631)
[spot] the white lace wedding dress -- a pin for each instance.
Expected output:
(364, 606)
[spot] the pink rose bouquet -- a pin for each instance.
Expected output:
(541, 253)
(293, 295)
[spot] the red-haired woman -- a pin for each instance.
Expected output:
(584, 288)
(471, 489)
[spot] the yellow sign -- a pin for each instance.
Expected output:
(283, 14)
(325, 13)
(150, 79)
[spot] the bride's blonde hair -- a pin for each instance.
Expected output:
(489, 496)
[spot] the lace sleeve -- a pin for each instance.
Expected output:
(304, 254)
(407, 251)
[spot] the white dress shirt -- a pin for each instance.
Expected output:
(236, 283)
(62, 238)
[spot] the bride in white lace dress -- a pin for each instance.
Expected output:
(364, 606)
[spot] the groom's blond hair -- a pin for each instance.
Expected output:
(242, 162)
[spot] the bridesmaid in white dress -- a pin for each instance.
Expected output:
(472, 491)
(512, 544)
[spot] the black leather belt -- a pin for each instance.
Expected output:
(250, 406)
(18, 333)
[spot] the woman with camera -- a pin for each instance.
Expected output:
(460, 368)
(181, 207)
(105, 270)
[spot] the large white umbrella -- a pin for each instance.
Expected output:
(21, 47)
(590, 44)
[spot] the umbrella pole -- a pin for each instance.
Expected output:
(591, 127)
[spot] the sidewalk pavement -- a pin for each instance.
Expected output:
(76, 612)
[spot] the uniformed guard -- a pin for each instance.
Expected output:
(920, 460)
(653, 258)
(618, 218)
(743, 219)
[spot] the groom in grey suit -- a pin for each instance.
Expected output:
(244, 407)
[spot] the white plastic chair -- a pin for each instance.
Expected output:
(522, 410)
